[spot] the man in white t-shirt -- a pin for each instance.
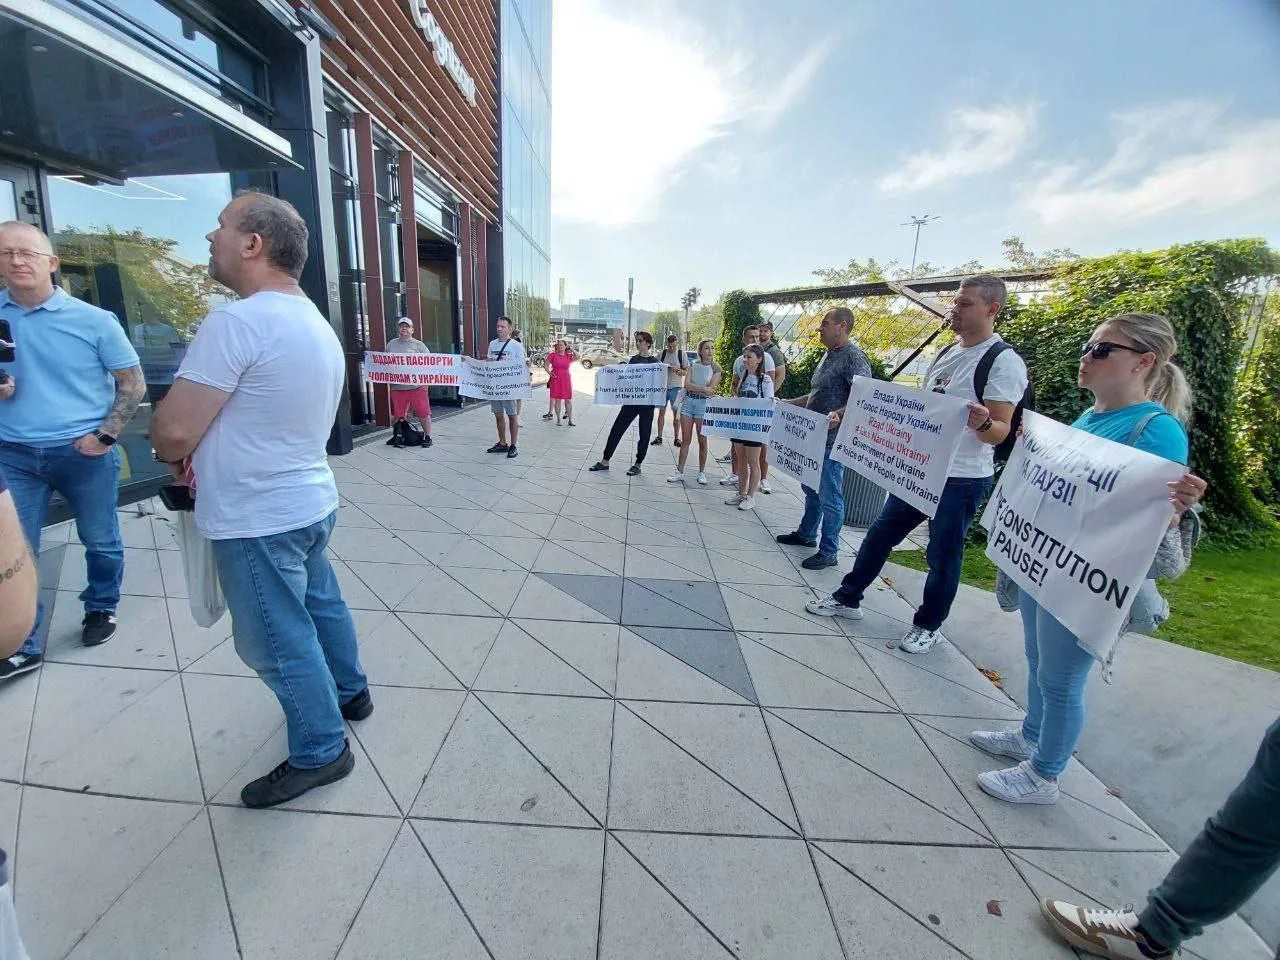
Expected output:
(505, 412)
(972, 317)
(264, 492)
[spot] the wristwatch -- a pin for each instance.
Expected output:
(105, 439)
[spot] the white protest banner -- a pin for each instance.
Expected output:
(798, 443)
(636, 384)
(412, 369)
(494, 379)
(901, 439)
(1075, 521)
(738, 418)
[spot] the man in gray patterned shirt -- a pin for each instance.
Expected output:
(832, 380)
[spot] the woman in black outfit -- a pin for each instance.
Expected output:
(630, 412)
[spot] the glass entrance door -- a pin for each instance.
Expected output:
(19, 194)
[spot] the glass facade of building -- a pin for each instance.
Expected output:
(526, 165)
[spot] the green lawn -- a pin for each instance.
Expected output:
(1228, 603)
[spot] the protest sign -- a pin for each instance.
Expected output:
(494, 379)
(1075, 521)
(901, 439)
(412, 369)
(636, 384)
(738, 419)
(798, 443)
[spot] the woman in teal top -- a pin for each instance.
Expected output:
(1141, 398)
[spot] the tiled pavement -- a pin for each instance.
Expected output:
(604, 728)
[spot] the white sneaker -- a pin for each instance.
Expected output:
(730, 481)
(1020, 784)
(920, 640)
(702, 479)
(1003, 743)
(676, 477)
(764, 486)
(736, 499)
(831, 607)
(1104, 933)
(728, 457)
(747, 503)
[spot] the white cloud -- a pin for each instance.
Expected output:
(635, 99)
(980, 140)
(1178, 156)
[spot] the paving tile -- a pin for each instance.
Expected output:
(498, 588)
(390, 582)
(519, 664)
(834, 657)
(646, 672)
(224, 660)
(583, 557)
(950, 889)
(526, 525)
(732, 741)
(752, 567)
(484, 773)
(231, 718)
(590, 648)
(685, 563)
(355, 592)
(521, 551)
(654, 534)
(182, 882)
(437, 592)
(732, 538)
(594, 505)
(431, 545)
(570, 736)
(408, 906)
(392, 654)
(350, 515)
(172, 573)
(657, 785)
(684, 604)
(17, 697)
(944, 660)
(143, 640)
(92, 845)
(778, 610)
(783, 682)
(532, 893)
(611, 526)
(916, 690)
(640, 918)
(713, 653)
(557, 596)
(190, 640)
(1069, 824)
(758, 895)
(286, 897)
(403, 735)
(141, 572)
(407, 522)
(382, 546)
(371, 493)
(460, 643)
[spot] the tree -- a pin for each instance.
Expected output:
(689, 299)
(1019, 257)
(664, 322)
(705, 323)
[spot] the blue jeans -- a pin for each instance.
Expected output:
(1058, 668)
(825, 504)
(1230, 859)
(292, 626)
(91, 486)
(960, 500)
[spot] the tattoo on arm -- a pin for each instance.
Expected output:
(130, 389)
(14, 567)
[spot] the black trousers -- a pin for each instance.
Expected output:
(620, 424)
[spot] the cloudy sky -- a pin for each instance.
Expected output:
(744, 143)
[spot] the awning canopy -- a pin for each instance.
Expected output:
(84, 100)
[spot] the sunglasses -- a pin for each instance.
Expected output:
(1103, 349)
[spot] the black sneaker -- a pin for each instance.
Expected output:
(358, 707)
(655, 442)
(548, 416)
(286, 781)
(427, 441)
(794, 539)
(19, 664)
(634, 471)
(498, 448)
(99, 627)
(511, 453)
(598, 466)
(676, 441)
(818, 562)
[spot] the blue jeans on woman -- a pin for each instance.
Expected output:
(826, 504)
(91, 487)
(292, 626)
(1058, 669)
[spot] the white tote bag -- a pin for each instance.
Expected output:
(204, 592)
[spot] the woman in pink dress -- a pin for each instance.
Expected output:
(561, 385)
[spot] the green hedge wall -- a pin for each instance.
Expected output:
(800, 373)
(739, 313)
(1194, 285)
(1258, 411)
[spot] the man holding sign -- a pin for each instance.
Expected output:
(972, 317)
(505, 413)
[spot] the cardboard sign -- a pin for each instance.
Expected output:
(738, 418)
(901, 439)
(632, 384)
(494, 379)
(412, 369)
(1076, 520)
(798, 443)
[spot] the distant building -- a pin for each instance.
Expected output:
(602, 310)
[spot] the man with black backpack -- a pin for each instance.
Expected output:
(407, 398)
(987, 372)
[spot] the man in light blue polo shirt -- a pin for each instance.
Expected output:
(72, 385)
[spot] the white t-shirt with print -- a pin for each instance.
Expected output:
(514, 349)
(741, 364)
(953, 375)
(261, 468)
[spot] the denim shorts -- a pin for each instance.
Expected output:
(695, 407)
(673, 394)
(503, 406)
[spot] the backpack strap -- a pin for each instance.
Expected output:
(1141, 425)
(983, 371)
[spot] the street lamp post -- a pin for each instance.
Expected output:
(918, 222)
(631, 289)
